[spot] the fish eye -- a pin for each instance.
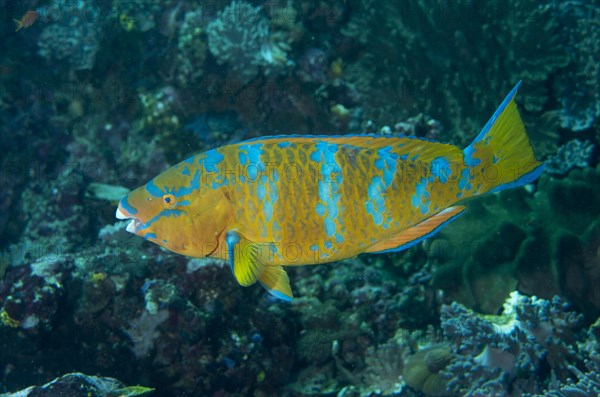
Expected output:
(169, 200)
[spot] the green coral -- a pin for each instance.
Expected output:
(544, 244)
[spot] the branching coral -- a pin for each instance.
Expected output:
(535, 340)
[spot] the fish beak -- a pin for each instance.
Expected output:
(120, 214)
(133, 225)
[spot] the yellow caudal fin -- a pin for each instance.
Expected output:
(247, 265)
(501, 156)
(419, 232)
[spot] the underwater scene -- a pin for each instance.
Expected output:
(288, 198)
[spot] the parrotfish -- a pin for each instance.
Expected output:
(277, 201)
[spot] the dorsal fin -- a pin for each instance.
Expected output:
(412, 148)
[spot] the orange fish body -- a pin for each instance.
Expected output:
(26, 20)
(294, 200)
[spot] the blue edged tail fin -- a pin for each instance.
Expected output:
(501, 155)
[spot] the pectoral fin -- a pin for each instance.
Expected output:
(419, 232)
(247, 265)
(244, 258)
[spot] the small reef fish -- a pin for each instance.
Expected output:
(271, 202)
(26, 20)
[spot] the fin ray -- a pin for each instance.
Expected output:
(501, 155)
(244, 259)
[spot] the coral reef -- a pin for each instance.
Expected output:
(240, 37)
(98, 97)
(74, 37)
(575, 153)
(400, 32)
(577, 87)
(384, 365)
(422, 370)
(82, 385)
(507, 241)
(534, 342)
(191, 48)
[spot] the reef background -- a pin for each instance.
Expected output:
(97, 97)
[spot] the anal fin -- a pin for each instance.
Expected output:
(427, 228)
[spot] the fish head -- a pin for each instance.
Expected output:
(175, 212)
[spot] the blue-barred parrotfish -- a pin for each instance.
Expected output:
(277, 201)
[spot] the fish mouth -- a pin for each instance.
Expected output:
(135, 223)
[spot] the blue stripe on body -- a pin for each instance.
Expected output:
(440, 168)
(153, 189)
(328, 187)
(464, 183)
(128, 207)
(387, 163)
(267, 189)
(164, 213)
(250, 156)
(156, 191)
(421, 198)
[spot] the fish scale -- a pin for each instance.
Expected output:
(304, 192)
